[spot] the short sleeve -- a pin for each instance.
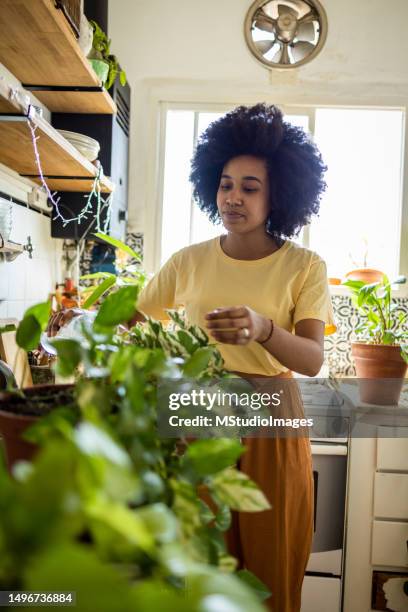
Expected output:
(314, 300)
(160, 292)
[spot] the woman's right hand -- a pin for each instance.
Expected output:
(61, 318)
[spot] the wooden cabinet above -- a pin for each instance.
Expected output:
(39, 47)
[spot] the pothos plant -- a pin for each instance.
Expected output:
(101, 51)
(383, 321)
(111, 510)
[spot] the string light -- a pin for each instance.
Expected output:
(101, 203)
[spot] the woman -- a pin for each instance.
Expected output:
(252, 288)
(265, 301)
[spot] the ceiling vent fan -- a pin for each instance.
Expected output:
(285, 33)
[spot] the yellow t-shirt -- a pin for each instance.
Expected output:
(286, 286)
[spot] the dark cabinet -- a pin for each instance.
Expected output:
(112, 133)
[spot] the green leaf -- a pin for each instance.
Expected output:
(198, 361)
(353, 284)
(34, 322)
(28, 333)
(41, 312)
(122, 521)
(223, 517)
(69, 356)
(211, 456)
(366, 292)
(97, 275)
(118, 307)
(118, 244)
(93, 441)
(254, 583)
(68, 567)
(186, 505)
(219, 591)
(388, 338)
(187, 340)
(122, 78)
(100, 290)
(160, 522)
(372, 317)
(235, 489)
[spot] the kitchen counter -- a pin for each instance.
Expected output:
(337, 411)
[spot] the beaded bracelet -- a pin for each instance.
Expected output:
(269, 335)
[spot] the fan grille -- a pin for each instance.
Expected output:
(285, 33)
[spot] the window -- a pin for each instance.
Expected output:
(183, 223)
(360, 216)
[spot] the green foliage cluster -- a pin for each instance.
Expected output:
(109, 509)
(101, 51)
(383, 322)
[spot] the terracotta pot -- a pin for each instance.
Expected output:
(18, 413)
(12, 427)
(366, 275)
(380, 370)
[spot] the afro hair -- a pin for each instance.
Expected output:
(294, 165)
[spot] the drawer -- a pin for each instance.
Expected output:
(389, 544)
(392, 453)
(391, 496)
(321, 594)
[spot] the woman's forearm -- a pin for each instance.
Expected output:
(295, 352)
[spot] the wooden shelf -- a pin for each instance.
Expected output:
(38, 46)
(67, 168)
(84, 102)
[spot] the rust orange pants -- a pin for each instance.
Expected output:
(275, 544)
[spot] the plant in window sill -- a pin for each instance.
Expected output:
(383, 351)
(102, 61)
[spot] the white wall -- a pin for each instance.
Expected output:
(25, 281)
(186, 50)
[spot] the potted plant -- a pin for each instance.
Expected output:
(108, 508)
(381, 356)
(19, 410)
(102, 61)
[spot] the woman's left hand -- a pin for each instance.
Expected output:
(237, 325)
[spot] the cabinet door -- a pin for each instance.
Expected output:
(321, 594)
(390, 544)
(392, 453)
(391, 496)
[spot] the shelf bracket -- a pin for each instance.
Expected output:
(10, 250)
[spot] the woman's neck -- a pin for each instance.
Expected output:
(248, 246)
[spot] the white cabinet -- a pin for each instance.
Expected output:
(391, 496)
(389, 544)
(377, 511)
(392, 452)
(321, 594)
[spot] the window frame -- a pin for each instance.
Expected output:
(154, 222)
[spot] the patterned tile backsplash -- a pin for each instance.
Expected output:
(88, 263)
(338, 346)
